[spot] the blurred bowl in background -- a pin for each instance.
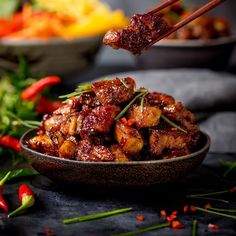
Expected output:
(55, 56)
(174, 53)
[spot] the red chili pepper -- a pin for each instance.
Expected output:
(130, 122)
(174, 213)
(45, 106)
(177, 224)
(3, 204)
(27, 199)
(10, 142)
(140, 217)
(213, 226)
(171, 217)
(124, 121)
(39, 86)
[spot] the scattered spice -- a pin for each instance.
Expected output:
(163, 213)
(207, 206)
(26, 198)
(171, 217)
(213, 227)
(124, 120)
(140, 217)
(3, 203)
(176, 224)
(194, 228)
(193, 209)
(96, 216)
(185, 209)
(48, 231)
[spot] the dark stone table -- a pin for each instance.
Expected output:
(212, 96)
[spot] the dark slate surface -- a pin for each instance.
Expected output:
(212, 96)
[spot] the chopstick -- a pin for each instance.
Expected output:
(205, 8)
(162, 6)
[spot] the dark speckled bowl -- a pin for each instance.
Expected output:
(135, 173)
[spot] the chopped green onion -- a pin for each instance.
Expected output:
(194, 228)
(222, 209)
(172, 123)
(96, 216)
(129, 104)
(122, 80)
(215, 213)
(80, 90)
(142, 101)
(209, 198)
(139, 231)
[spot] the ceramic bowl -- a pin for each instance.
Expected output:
(56, 56)
(134, 173)
(213, 53)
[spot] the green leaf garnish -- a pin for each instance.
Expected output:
(142, 101)
(172, 123)
(96, 216)
(139, 231)
(19, 173)
(84, 88)
(129, 104)
(231, 166)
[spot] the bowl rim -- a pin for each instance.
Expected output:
(50, 41)
(205, 148)
(195, 42)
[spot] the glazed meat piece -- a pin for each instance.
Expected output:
(89, 152)
(88, 99)
(142, 30)
(118, 153)
(114, 92)
(148, 117)
(178, 112)
(160, 140)
(128, 138)
(43, 144)
(99, 120)
(160, 99)
(68, 149)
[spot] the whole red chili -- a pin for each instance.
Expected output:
(3, 204)
(34, 89)
(10, 142)
(26, 197)
(46, 106)
(213, 226)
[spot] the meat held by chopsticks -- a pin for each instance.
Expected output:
(142, 30)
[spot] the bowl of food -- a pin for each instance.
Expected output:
(206, 42)
(111, 133)
(61, 37)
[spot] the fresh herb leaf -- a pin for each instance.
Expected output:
(8, 7)
(18, 173)
(96, 216)
(172, 123)
(231, 166)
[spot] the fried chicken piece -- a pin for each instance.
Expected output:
(128, 138)
(88, 99)
(142, 30)
(118, 153)
(160, 140)
(114, 92)
(89, 152)
(99, 120)
(148, 117)
(43, 144)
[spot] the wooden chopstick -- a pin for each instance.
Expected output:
(162, 6)
(205, 8)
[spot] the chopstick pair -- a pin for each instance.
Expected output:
(205, 8)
